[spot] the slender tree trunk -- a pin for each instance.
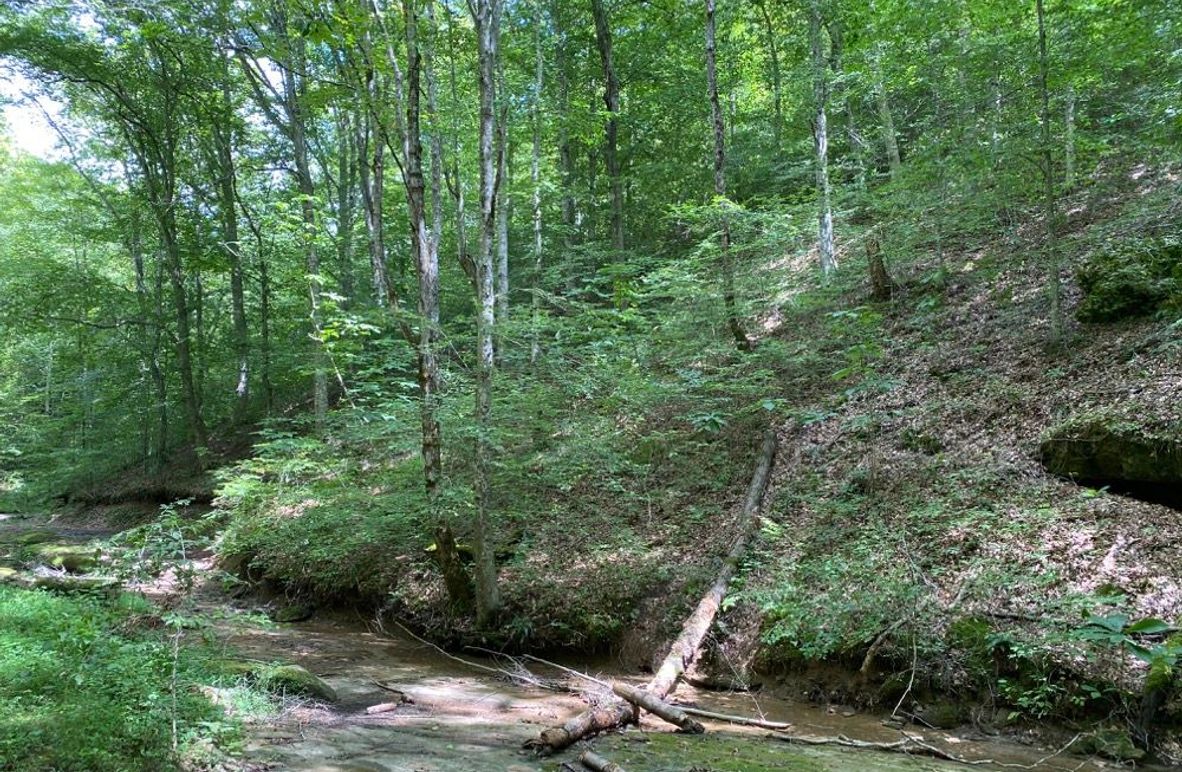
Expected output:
(371, 171)
(889, 137)
(504, 201)
(347, 184)
(611, 99)
(995, 122)
(158, 440)
(535, 177)
(308, 211)
(773, 50)
(566, 151)
(857, 146)
(184, 340)
(1069, 140)
(486, 15)
(1049, 209)
(436, 132)
(821, 142)
(457, 180)
(427, 256)
(227, 197)
(724, 235)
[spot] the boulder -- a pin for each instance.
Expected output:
(293, 679)
(71, 558)
(296, 612)
(1110, 452)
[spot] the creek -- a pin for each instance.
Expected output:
(462, 719)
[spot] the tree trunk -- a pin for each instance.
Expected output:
(1069, 140)
(566, 152)
(347, 174)
(669, 713)
(502, 218)
(889, 137)
(536, 181)
(821, 142)
(1048, 171)
(769, 33)
(609, 715)
(611, 99)
(857, 146)
(724, 235)
(881, 286)
(227, 196)
(486, 15)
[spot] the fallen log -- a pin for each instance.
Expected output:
(592, 760)
(617, 712)
(671, 713)
(383, 707)
(727, 718)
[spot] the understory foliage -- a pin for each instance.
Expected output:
(91, 684)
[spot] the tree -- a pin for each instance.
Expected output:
(486, 14)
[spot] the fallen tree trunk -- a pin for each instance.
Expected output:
(727, 718)
(671, 713)
(592, 760)
(602, 717)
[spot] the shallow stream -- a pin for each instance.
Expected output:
(464, 719)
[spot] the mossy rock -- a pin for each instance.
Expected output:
(293, 679)
(288, 679)
(73, 559)
(943, 715)
(1131, 280)
(104, 585)
(8, 575)
(36, 536)
(296, 612)
(1110, 743)
(1098, 449)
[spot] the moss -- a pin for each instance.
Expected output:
(1135, 279)
(74, 559)
(1110, 743)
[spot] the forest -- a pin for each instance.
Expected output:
(604, 384)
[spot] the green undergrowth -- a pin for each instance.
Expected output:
(615, 462)
(88, 683)
(919, 522)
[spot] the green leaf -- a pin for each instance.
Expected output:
(1149, 626)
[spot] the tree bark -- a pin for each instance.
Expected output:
(1049, 213)
(611, 100)
(223, 140)
(609, 715)
(821, 142)
(536, 181)
(669, 713)
(502, 220)
(724, 234)
(1069, 140)
(597, 763)
(889, 137)
(486, 15)
(769, 32)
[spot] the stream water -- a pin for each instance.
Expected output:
(462, 719)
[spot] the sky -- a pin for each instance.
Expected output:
(24, 120)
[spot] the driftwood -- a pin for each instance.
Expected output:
(616, 712)
(671, 713)
(592, 760)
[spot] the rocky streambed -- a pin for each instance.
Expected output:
(384, 701)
